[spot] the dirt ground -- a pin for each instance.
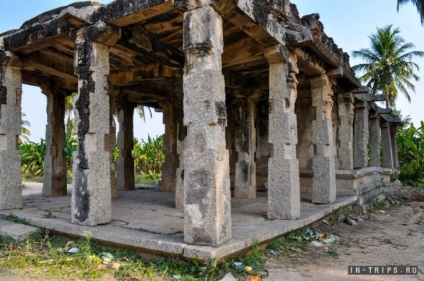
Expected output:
(394, 236)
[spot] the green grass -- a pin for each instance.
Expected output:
(146, 180)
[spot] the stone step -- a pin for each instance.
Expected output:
(16, 231)
(284, 274)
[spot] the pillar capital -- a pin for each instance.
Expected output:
(9, 59)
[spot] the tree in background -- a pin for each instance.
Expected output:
(388, 66)
(25, 132)
(419, 4)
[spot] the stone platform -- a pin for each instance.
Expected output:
(146, 221)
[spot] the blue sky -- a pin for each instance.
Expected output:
(348, 22)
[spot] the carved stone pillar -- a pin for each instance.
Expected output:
(10, 129)
(54, 179)
(375, 138)
(182, 133)
(206, 161)
(387, 145)
(245, 174)
(169, 168)
(345, 133)
(91, 196)
(283, 167)
(323, 162)
(361, 135)
(125, 161)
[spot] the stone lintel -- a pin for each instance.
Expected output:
(370, 97)
(392, 119)
(335, 72)
(380, 110)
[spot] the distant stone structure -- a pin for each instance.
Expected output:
(253, 97)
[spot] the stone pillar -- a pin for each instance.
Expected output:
(345, 133)
(10, 129)
(323, 162)
(125, 161)
(375, 138)
(393, 132)
(111, 145)
(169, 167)
(91, 196)
(245, 174)
(361, 135)
(207, 195)
(283, 166)
(182, 133)
(54, 179)
(387, 145)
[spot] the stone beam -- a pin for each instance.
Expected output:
(150, 72)
(380, 110)
(283, 166)
(206, 160)
(323, 162)
(391, 119)
(55, 168)
(242, 52)
(370, 97)
(10, 129)
(308, 63)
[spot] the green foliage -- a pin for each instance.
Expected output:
(148, 156)
(388, 66)
(410, 143)
(33, 158)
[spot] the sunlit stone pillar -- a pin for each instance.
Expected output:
(283, 166)
(10, 129)
(323, 162)
(207, 208)
(54, 179)
(92, 184)
(393, 131)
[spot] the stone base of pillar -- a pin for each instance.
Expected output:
(324, 180)
(284, 201)
(11, 182)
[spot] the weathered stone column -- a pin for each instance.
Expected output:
(393, 142)
(206, 161)
(323, 162)
(91, 196)
(10, 129)
(54, 179)
(169, 167)
(182, 133)
(375, 138)
(245, 174)
(283, 166)
(345, 137)
(361, 135)
(387, 145)
(125, 161)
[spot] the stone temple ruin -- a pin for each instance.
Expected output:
(255, 99)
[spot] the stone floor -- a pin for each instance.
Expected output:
(146, 221)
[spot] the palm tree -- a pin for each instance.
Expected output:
(141, 110)
(69, 110)
(419, 4)
(388, 66)
(25, 132)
